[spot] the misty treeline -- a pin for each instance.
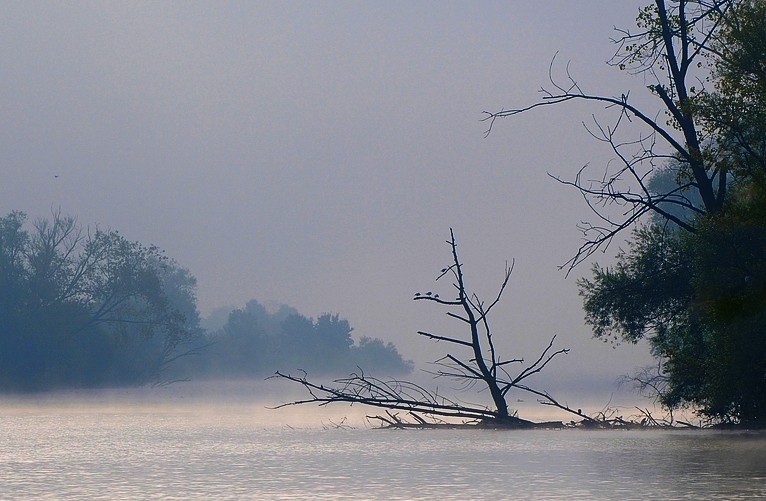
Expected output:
(687, 186)
(84, 307)
(254, 342)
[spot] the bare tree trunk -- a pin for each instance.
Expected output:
(482, 366)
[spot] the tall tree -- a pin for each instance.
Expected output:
(692, 279)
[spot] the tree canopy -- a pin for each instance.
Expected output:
(692, 279)
(81, 308)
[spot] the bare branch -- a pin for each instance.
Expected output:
(444, 338)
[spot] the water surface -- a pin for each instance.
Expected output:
(185, 452)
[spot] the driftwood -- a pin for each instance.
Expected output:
(359, 388)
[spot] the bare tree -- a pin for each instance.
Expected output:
(672, 50)
(482, 366)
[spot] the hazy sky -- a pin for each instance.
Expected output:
(317, 153)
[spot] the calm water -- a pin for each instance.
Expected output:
(116, 452)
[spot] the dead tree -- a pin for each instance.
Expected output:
(480, 365)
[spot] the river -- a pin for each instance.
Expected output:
(148, 450)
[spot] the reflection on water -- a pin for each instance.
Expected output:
(114, 452)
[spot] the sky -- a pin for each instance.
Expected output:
(317, 153)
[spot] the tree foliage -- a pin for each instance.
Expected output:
(700, 300)
(81, 308)
(734, 109)
(647, 290)
(693, 281)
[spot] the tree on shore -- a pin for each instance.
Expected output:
(480, 365)
(690, 188)
(700, 300)
(81, 308)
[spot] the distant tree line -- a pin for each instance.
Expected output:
(89, 308)
(255, 342)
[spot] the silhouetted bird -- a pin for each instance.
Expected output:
(428, 293)
(417, 294)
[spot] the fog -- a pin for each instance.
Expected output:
(257, 403)
(316, 154)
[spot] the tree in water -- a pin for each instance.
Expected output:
(481, 366)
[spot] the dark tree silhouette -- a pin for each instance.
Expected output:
(688, 181)
(482, 366)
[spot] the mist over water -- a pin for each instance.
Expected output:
(218, 440)
(255, 400)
